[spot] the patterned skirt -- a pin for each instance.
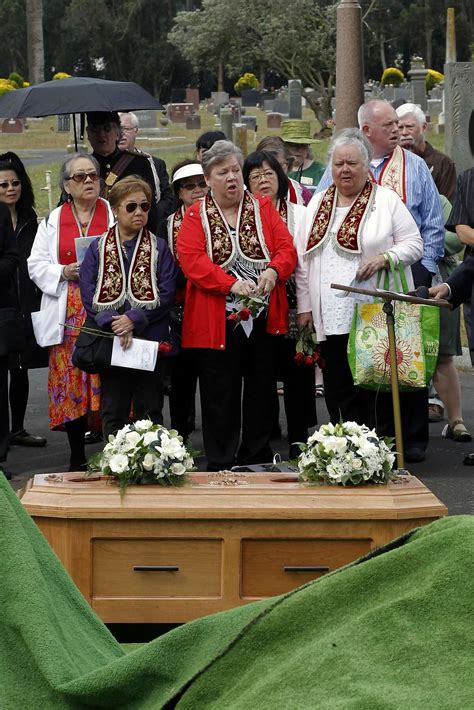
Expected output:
(72, 393)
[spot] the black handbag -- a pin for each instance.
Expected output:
(92, 352)
(12, 331)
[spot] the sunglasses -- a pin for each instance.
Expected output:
(14, 183)
(192, 185)
(82, 177)
(132, 206)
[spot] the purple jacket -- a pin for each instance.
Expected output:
(149, 324)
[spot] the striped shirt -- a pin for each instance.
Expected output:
(422, 202)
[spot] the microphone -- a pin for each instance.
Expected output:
(420, 292)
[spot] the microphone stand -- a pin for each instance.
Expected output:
(388, 297)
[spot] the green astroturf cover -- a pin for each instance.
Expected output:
(392, 631)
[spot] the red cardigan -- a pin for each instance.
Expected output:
(208, 284)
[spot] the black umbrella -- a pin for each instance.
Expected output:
(78, 94)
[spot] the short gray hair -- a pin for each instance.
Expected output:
(133, 117)
(366, 111)
(351, 136)
(411, 110)
(220, 151)
(64, 173)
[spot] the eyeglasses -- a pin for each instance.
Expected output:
(132, 206)
(14, 183)
(105, 127)
(82, 177)
(192, 185)
(128, 129)
(258, 177)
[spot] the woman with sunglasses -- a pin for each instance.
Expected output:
(128, 281)
(16, 193)
(265, 176)
(189, 185)
(53, 266)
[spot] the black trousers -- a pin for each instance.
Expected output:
(4, 413)
(298, 392)
(120, 387)
(182, 397)
(226, 412)
(375, 409)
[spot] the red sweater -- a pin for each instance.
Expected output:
(208, 284)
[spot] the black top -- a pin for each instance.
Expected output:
(8, 259)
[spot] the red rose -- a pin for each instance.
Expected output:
(244, 314)
(299, 358)
(232, 316)
(164, 348)
(308, 360)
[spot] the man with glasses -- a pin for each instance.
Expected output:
(164, 197)
(103, 131)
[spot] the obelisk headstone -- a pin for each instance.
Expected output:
(417, 76)
(349, 64)
(450, 57)
(294, 96)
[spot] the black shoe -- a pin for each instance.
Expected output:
(93, 437)
(6, 473)
(23, 438)
(414, 455)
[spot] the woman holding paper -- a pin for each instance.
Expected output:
(53, 267)
(127, 285)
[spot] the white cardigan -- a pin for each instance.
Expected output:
(389, 228)
(45, 270)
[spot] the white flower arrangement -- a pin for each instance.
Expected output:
(144, 452)
(346, 453)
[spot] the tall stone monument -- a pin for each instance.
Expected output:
(459, 113)
(349, 64)
(417, 76)
(449, 57)
(294, 96)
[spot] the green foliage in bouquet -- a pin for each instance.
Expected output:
(346, 453)
(144, 452)
(393, 76)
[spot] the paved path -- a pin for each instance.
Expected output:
(443, 470)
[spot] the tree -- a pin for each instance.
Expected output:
(34, 33)
(296, 39)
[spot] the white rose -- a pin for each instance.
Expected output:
(149, 437)
(171, 448)
(338, 444)
(131, 440)
(149, 462)
(118, 463)
(356, 464)
(143, 424)
(178, 469)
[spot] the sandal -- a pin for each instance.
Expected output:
(456, 431)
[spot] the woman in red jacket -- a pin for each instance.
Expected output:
(231, 246)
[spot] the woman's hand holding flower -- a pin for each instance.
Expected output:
(267, 281)
(243, 288)
(304, 320)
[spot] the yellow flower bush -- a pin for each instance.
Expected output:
(392, 75)
(432, 78)
(246, 81)
(61, 75)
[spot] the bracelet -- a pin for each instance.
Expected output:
(386, 260)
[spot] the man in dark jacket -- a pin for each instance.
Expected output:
(8, 298)
(103, 131)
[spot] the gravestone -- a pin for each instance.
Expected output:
(193, 122)
(210, 106)
(435, 106)
(179, 112)
(402, 92)
(235, 113)
(249, 121)
(417, 76)
(192, 97)
(219, 98)
(268, 105)
(389, 92)
(251, 97)
(64, 123)
(281, 105)
(146, 118)
(274, 120)
(240, 137)
(227, 123)
(459, 113)
(436, 93)
(12, 125)
(294, 95)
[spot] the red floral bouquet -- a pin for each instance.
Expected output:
(246, 307)
(307, 351)
(164, 348)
